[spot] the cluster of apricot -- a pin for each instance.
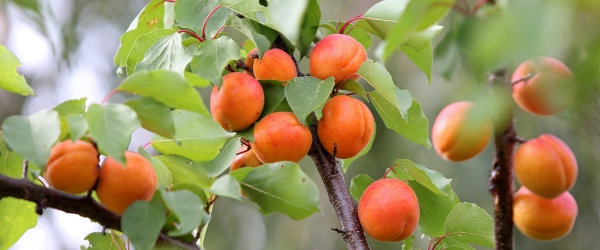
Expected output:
(545, 166)
(346, 126)
(73, 167)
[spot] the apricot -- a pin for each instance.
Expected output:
(239, 102)
(252, 55)
(72, 167)
(347, 123)
(548, 91)
(279, 136)
(336, 55)
(245, 159)
(546, 166)
(275, 64)
(389, 210)
(544, 219)
(119, 186)
(461, 131)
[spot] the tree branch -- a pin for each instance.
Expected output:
(340, 198)
(82, 205)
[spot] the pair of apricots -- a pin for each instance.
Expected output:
(545, 166)
(73, 167)
(279, 136)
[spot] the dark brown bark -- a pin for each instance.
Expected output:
(82, 205)
(345, 208)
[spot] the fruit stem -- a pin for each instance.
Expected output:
(192, 34)
(206, 21)
(348, 23)
(525, 78)
(110, 94)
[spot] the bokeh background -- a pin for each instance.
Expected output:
(67, 46)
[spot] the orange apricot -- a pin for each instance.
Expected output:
(72, 167)
(347, 123)
(336, 55)
(388, 210)
(252, 55)
(546, 166)
(461, 131)
(548, 91)
(275, 64)
(245, 159)
(239, 102)
(544, 219)
(279, 136)
(119, 186)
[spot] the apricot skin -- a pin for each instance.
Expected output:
(546, 166)
(119, 186)
(72, 167)
(348, 123)
(336, 55)
(280, 136)
(544, 219)
(389, 210)
(246, 159)
(239, 102)
(252, 55)
(460, 131)
(546, 93)
(275, 64)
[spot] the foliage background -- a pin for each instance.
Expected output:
(67, 46)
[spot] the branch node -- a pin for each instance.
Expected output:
(340, 231)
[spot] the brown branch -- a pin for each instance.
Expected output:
(82, 205)
(340, 198)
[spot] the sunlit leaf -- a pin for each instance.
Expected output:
(104, 241)
(224, 159)
(305, 94)
(154, 116)
(434, 209)
(227, 186)
(167, 53)
(192, 14)
(111, 127)
(184, 170)
(213, 56)
(471, 224)
(10, 79)
(142, 45)
(16, 217)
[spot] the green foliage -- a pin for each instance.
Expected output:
(111, 127)
(184, 170)
(143, 220)
(212, 57)
(226, 155)
(164, 176)
(186, 207)
(154, 116)
(227, 186)
(16, 217)
(10, 79)
(306, 94)
(101, 241)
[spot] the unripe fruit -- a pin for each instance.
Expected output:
(336, 55)
(549, 91)
(544, 219)
(347, 123)
(389, 210)
(246, 159)
(239, 102)
(280, 136)
(72, 167)
(119, 186)
(546, 166)
(275, 64)
(461, 131)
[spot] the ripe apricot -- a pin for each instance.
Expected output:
(252, 55)
(275, 64)
(336, 55)
(72, 167)
(119, 185)
(461, 131)
(279, 136)
(544, 219)
(546, 166)
(239, 102)
(347, 123)
(389, 210)
(548, 91)
(246, 159)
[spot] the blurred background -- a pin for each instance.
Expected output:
(67, 48)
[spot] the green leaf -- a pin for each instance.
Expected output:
(453, 244)
(359, 34)
(346, 162)
(376, 75)
(66, 108)
(142, 45)
(408, 243)
(184, 170)
(194, 188)
(167, 87)
(358, 185)
(355, 87)
(162, 172)
(261, 42)
(419, 50)
(224, 159)
(142, 221)
(197, 137)
(447, 55)
(104, 241)
(274, 95)
(306, 94)
(195, 80)
(10, 79)
(16, 217)
(213, 56)
(154, 116)
(381, 17)
(11, 164)
(471, 224)
(32, 137)
(192, 13)
(186, 207)
(434, 209)
(416, 129)
(77, 126)
(111, 127)
(226, 186)
(282, 187)
(430, 179)
(167, 53)
(309, 27)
